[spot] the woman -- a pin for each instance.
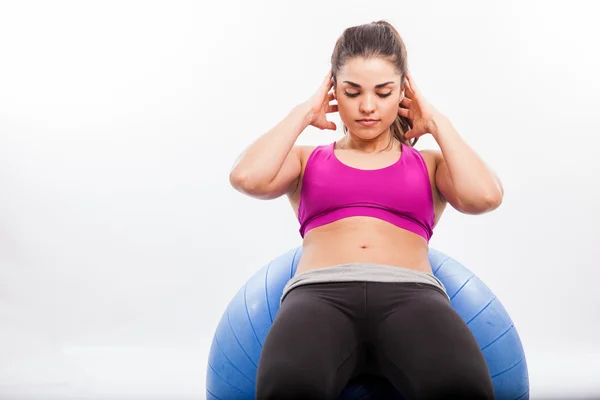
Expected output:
(364, 298)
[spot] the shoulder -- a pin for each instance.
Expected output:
(432, 155)
(304, 149)
(432, 158)
(304, 152)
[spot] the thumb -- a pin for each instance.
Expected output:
(331, 125)
(408, 135)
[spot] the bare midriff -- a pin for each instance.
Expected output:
(363, 240)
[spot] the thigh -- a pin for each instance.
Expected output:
(314, 344)
(424, 347)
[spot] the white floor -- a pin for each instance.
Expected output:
(179, 373)
(106, 373)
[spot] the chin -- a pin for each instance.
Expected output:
(363, 136)
(367, 133)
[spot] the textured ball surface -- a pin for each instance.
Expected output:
(240, 334)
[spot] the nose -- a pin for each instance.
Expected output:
(367, 105)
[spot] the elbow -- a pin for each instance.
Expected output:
(239, 180)
(236, 178)
(493, 201)
(488, 203)
(481, 205)
(244, 183)
(494, 198)
(479, 200)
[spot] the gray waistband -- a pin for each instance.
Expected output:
(361, 272)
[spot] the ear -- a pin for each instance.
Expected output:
(334, 86)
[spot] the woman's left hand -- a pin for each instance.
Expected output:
(415, 107)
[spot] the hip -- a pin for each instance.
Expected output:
(364, 272)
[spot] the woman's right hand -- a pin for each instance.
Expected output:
(318, 105)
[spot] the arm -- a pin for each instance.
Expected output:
(270, 167)
(462, 177)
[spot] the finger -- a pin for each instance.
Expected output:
(332, 108)
(330, 96)
(406, 102)
(403, 112)
(331, 125)
(408, 88)
(411, 83)
(327, 82)
(408, 135)
(329, 76)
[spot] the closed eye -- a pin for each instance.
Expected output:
(382, 95)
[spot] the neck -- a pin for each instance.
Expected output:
(381, 143)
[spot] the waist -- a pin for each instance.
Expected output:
(365, 272)
(410, 223)
(364, 240)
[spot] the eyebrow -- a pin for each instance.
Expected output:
(356, 85)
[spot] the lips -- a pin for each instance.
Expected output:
(367, 122)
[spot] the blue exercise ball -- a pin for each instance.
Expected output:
(241, 332)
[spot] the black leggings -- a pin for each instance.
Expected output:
(326, 334)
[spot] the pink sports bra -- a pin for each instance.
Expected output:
(399, 193)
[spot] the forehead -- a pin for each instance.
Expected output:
(368, 71)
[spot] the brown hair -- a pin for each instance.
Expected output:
(376, 39)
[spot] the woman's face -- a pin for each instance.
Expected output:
(368, 89)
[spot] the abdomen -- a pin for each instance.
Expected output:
(364, 240)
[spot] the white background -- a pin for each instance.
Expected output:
(121, 241)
